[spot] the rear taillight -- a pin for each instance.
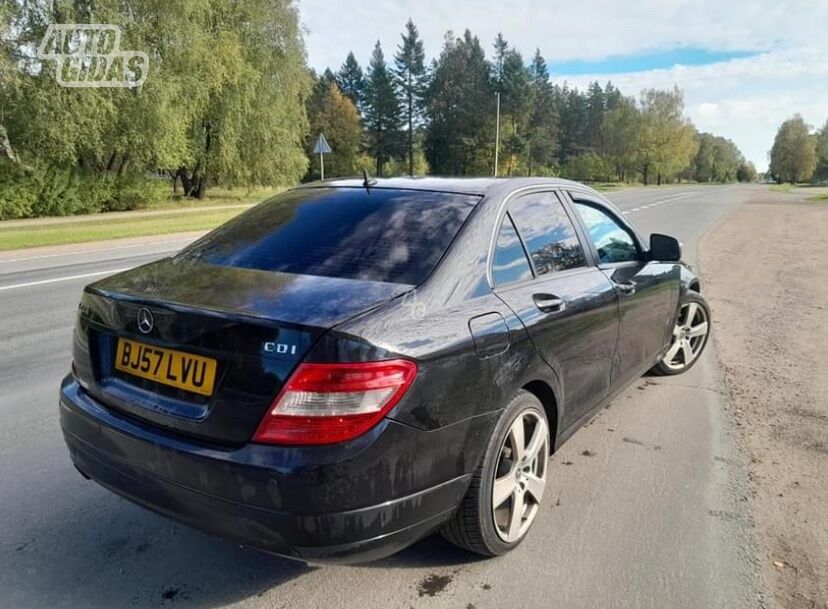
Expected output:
(328, 403)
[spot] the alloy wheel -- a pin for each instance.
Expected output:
(689, 336)
(520, 477)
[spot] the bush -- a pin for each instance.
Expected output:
(36, 191)
(17, 194)
(137, 192)
(587, 167)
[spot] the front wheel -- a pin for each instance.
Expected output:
(506, 491)
(690, 336)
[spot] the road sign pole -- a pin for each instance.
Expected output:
(321, 148)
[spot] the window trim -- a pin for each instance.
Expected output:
(507, 217)
(503, 212)
(590, 201)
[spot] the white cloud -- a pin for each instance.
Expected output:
(742, 99)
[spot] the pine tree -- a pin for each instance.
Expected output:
(460, 108)
(382, 111)
(595, 114)
(515, 105)
(543, 128)
(410, 71)
(351, 80)
(500, 47)
(612, 97)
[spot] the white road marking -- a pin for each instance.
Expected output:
(55, 280)
(662, 202)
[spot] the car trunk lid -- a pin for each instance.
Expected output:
(254, 325)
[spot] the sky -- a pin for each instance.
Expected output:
(744, 65)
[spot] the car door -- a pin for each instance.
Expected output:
(648, 290)
(542, 271)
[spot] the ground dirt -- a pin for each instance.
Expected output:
(766, 273)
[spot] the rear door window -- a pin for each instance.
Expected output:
(394, 236)
(548, 233)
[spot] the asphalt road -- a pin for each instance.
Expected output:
(644, 507)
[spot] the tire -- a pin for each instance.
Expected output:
(686, 348)
(478, 527)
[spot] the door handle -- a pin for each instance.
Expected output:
(626, 287)
(549, 303)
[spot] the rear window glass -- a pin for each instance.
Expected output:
(394, 236)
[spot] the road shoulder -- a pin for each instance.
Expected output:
(89, 247)
(767, 283)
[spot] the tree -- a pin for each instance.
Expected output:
(258, 78)
(666, 142)
(515, 87)
(620, 137)
(410, 71)
(334, 115)
(382, 111)
(747, 172)
(216, 68)
(351, 80)
(595, 114)
(542, 133)
(574, 119)
(588, 166)
(717, 160)
(821, 172)
(460, 109)
(793, 156)
(612, 97)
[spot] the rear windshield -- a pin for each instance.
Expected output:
(395, 236)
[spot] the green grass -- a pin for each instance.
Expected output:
(612, 186)
(160, 218)
(812, 192)
(56, 233)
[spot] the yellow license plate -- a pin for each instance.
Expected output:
(166, 366)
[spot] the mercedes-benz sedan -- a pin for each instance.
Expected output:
(353, 365)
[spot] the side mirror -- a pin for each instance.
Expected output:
(664, 248)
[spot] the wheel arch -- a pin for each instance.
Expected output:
(546, 395)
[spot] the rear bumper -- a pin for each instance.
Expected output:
(206, 488)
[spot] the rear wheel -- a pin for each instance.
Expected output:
(506, 491)
(690, 336)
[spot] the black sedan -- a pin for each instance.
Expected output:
(353, 365)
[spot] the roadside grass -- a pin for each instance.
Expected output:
(816, 193)
(161, 218)
(59, 233)
(613, 186)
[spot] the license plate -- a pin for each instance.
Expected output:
(166, 366)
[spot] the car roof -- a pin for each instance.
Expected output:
(467, 186)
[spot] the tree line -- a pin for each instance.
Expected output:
(230, 101)
(798, 154)
(223, 104)
(408, 116)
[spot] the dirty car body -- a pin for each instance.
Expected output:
(463, 289)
